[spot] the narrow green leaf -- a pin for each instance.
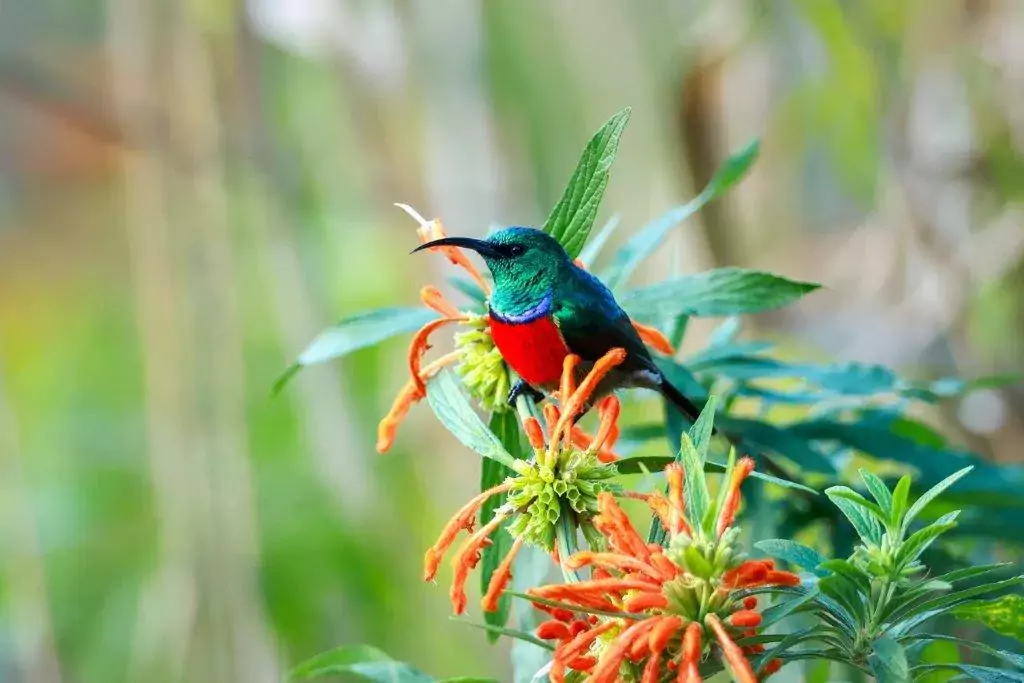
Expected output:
(913, 547)
(354, 333)
(695, 493)
(1003, 615)
(700, 432)
(934, 492)
(1014, 659)
(780, 611)
(497, 631)
(879, 491)
(573, 217)
(981, 674)
(657, 463)
(453, 409)
(794, 553)
(854, 497)
(899, 499)
(719, 292)
(889, 662)
(757, 436)
(505, 426)
(367, 663)
(643, 244)
(863, 522)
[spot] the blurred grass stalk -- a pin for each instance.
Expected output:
(24, 574)
(200, 616)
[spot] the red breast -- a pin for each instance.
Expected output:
(534, 349)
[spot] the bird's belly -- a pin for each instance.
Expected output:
(535, 349)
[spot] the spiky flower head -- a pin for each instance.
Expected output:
(568, 473)
(682, 607)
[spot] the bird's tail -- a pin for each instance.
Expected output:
(690, 410)
(676, 398)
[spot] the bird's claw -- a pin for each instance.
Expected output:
(521, 388)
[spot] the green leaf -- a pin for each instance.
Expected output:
(497, 631)
(719, 292)
(453, 409)
(981, 674)
(468, 679)
(863, 522)
(363, 661)
(700, 432)
(782, 610)
(573, 217)
(889, 662)
(794, 553)
(354, 333)
(930, 608)
(695, 493)
(919, 541)
(900, 494)
(657, 463)
(934, 492)
(505, 426)
(879, 491)
(758, 437)
(1011, 658)
(643, 244)
(1003, 615)
(854, 497)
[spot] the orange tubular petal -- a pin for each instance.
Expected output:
(646, 601)
(552, 416)
(568, 385)
(654, 338)
(611, 561)
(677, 515)
(572, 405)
(750, 602)
(500, 578)
(664, 565)
(553, 630)
(659, 506)
(607, 669)
(463, 519)
(688, 663)
(609, 410)
(419, 346)
(731, 652)
(534, 432)
(585, 442)
(732, 500)
(580, 643)
(433, 299)
(663, 632)
(621, 531)
(466, 560)
(652, 670)
(409, 396)
(771, 668)
(745, 618)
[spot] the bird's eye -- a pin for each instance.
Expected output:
(516, 250)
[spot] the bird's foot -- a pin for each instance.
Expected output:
(521, 388)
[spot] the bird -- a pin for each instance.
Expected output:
(545, 307)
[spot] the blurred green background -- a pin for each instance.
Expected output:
(191, 190)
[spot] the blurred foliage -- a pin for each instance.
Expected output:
(190, 191)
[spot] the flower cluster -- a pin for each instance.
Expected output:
(568, 473)
(479, 363)
(679, 604)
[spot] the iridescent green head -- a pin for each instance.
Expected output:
(525, 263)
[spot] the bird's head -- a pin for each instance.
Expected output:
(516, 256)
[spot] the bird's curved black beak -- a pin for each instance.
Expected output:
(482, 247)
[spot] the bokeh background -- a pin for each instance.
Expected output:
(191, 189)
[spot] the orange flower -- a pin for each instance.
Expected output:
(415, 389)
(666, 609)
(537, 494)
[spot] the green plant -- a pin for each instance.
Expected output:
(562, 488)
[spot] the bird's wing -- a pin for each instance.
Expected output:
(592, 323)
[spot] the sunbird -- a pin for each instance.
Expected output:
(545, 307)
